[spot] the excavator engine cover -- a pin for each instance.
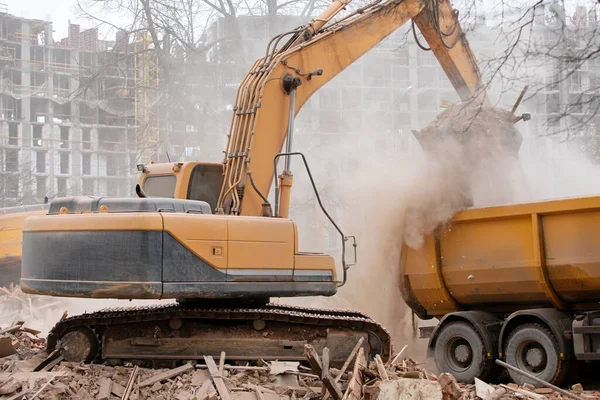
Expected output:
(157, 248)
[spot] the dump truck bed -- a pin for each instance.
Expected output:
(506, 258)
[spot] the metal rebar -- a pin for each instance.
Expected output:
(538, 380)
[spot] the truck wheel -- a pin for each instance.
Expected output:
(532, 348)
(460, 351)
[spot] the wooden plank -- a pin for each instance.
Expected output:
(10, 329)
(398, 355)
(130, 383)
(349, 359)
(317, 366)
(217, 378)
(47, 360)
(325, 369)
(313, 359)
(259, 395)
(117, 389)
(381, 368)
(43, 387)
(105, 389)
(205, 390)
(32, 331)
(51, 364)
(524, 392)
(221, 363)
(354, 390)
(167, 375)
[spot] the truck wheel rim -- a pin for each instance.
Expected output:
(459, 354)
(531, 357)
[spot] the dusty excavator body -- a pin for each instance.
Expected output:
(160, 248)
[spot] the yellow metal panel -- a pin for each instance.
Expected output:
(310, 261)
(426, 284)
(573, 254)
(543, 208)
(203, 235)
(484, 261)
(537, 254)
(261, 243)
(97, 222)
(11, 235)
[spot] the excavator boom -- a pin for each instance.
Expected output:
(262, 111)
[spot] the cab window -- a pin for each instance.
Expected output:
(205, 184)
(160, 186)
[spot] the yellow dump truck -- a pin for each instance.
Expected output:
(519, 283)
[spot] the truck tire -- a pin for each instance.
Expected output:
(533, 348)
(460, 351)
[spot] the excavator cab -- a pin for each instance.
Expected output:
(182, 180)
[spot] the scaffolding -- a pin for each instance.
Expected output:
(146, 93)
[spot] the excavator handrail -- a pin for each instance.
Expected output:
(345, 266)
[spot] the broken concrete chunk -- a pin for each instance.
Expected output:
(483, 390)
(577, 387)
(156, 387)
(450, 388)
(409, 389)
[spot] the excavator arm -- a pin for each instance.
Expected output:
(279, 84)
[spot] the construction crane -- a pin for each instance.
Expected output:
(206, 234)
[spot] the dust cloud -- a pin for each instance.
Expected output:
(472, 157)
(43, 312)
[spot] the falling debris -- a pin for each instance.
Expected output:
(471, 158)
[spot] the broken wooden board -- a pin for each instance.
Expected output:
(117, 389)
(105, 389)
(130, 383)
(53, 363)
(167, 375)
(381, 368)
(316, 365)
(217, 378)
(206, 391)
(350, 358)
(354, 390)
(31, 377)
(51, 357)
(524, 392)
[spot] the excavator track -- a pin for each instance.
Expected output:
(165, 335)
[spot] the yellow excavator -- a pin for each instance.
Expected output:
(206, 235)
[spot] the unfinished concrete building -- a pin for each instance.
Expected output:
(65, 114)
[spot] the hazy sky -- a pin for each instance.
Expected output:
(57, 11)
(61, 11)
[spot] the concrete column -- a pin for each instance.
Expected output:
(75, 131)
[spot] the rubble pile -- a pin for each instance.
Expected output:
(40, 312)
(29, 373)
